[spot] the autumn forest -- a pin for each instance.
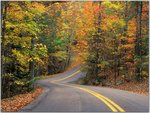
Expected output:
(109, 39)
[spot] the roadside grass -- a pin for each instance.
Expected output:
(45, 77)
(42, 77)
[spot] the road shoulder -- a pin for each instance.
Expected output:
(35, 102)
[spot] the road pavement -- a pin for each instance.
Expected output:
(61, 95)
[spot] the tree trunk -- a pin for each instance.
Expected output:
(31, 64)
(138, 40)
(125, 35)
(70, 39)
(97, 42)
(3, 21)
(115, 70)
(4, 17)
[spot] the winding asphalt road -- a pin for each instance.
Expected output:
(62, 96)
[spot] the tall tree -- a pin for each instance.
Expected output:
(138, 53)
(4, 17)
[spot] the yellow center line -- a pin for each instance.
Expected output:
(94, 94)
(112, 105)
(66, 77)
(101, 97)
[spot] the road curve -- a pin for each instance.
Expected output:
(62, 96)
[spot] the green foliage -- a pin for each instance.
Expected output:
(48, 34)
(61, 55)
(14, 85)
(103, 64)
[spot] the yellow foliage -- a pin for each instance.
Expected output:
(36, 7)
(129, 46)
(131, 28)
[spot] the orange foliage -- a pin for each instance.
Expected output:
(131, 28)
(128, 46)
(131, 40)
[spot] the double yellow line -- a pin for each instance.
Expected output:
(58, 80)
(112, 105)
